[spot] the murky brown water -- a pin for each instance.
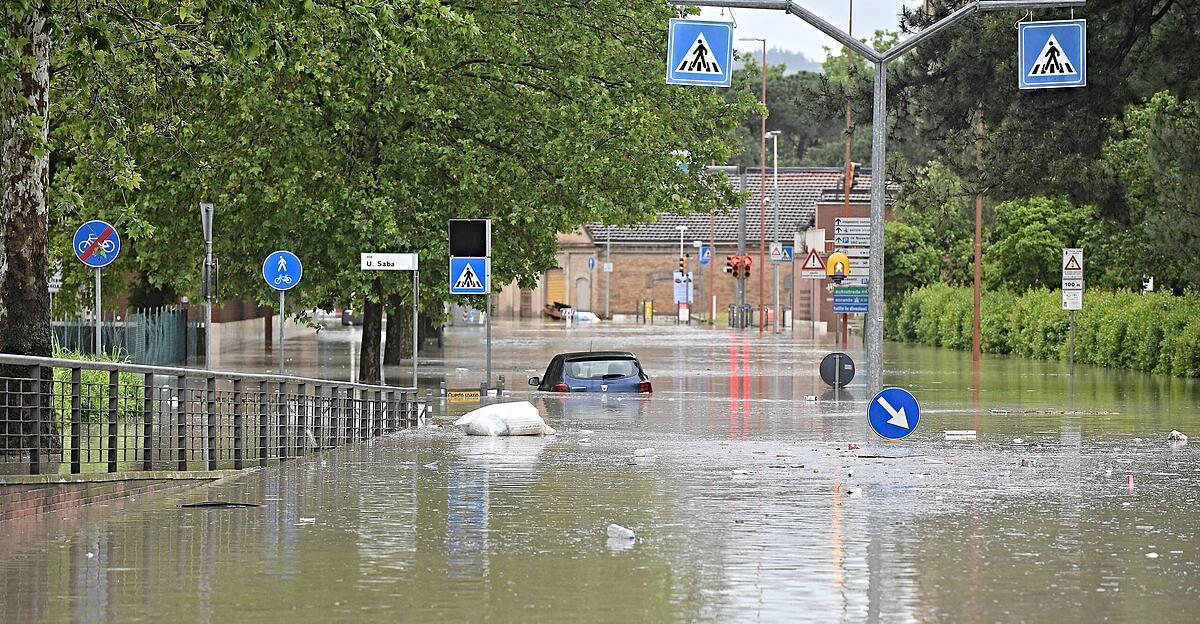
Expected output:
(749, 511)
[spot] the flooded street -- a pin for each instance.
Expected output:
(756, 505)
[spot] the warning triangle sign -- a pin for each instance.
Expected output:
(1052, 61)
(467, 280)
(1072, 264)
(700, 59)
(813, 262)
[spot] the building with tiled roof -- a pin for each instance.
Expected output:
(800, 189)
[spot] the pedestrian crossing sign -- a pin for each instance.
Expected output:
(470, 276)
(1052, 54)
(700, 53)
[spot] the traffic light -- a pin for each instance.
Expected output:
(682, 266)
(731, 265)
(746, 262)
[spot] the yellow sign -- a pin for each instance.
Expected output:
(463, 396)
(837, 265)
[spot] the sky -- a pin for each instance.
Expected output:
(789, 32)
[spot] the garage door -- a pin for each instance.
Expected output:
(556, 286)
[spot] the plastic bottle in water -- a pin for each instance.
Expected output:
(619, 532)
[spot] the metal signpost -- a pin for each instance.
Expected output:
(399, 262)
(282, 271)
(471, 269)
(1052, 54)
(1072, 291)
(874, 333)
(700, 53)
(97, 244)
(894, 413)
(208, 279)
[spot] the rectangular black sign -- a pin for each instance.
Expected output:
(470, 238)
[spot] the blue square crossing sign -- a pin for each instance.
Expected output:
(470, 276)
(700, 53)
(1052, 54)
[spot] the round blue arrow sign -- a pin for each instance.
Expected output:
(894, 413)
(96, 244)
(282, 270)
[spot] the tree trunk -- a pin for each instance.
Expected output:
(399, 331)
(24, 221)
(372, 335)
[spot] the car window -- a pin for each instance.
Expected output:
(601, 369)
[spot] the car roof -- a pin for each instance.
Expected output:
(575, 355)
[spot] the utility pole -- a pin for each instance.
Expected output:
(976, 337)
(607, 274)
(774, 134)
(843, 323)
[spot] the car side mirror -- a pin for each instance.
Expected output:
(535, 381)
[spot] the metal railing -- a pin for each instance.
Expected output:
(66, 415)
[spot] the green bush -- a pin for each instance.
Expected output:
(1154, 333)
(94, 391)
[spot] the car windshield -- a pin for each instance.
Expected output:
(601, 369)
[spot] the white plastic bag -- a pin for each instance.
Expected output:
(520, 418)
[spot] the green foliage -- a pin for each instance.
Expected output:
(938, 203)
(912, 261)
(1028, 239)
(94, 390)
(1154, 333)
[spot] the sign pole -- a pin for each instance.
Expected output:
(281, 319)
(487, 318)
(1071, 352)
(416, 298)
(99, 339)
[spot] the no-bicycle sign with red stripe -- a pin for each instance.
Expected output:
(96, 244)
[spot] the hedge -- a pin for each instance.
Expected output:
(1155, 332)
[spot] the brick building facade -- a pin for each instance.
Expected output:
(645, 258)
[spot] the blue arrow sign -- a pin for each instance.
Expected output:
(894, 413)
(96, 244)
(1052, 54)
(592, 263)
(700, 53)
(282, 270)
(470, 276)
(706, 254)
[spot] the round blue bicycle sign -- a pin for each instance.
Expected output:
(96, 244)
(282, 270)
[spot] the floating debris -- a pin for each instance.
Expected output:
(1177, 436)
(1028, 463)
(960, 434)
(219, 505)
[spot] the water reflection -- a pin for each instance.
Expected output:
(753, 509)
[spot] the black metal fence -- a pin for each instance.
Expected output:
(72, 416)
(154, 336)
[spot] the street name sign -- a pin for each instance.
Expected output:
(470, 275)
(282, 270)
(894, 413)
(1052, 54)
(96, 244)
(608, 267)
(700, 53)
(813, 267)
(851, 239)
(388, 261)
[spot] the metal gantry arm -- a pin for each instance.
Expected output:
(874, 324)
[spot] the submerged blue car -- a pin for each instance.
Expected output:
(594, 371)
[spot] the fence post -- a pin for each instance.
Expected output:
(364, 421)
(35, 449)
(334, 410)
(210, 438)
(181, 420)
(239, 412)
(377, 415)
(76, 416)
(262, 423)
(147, 422)
(349, 417)
(301, 419)
(390, 412)
(318, 401)
(114, 401)
(281, 419)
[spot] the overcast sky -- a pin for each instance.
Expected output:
(790, 33)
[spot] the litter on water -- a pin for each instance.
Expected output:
(960, 434)
(617, 531)
(1177, 436)
(644, 452)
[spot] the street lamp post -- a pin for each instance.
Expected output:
(874, 338)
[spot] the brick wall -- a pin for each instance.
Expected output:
(25, 500)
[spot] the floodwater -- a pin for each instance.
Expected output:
(752, 508)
